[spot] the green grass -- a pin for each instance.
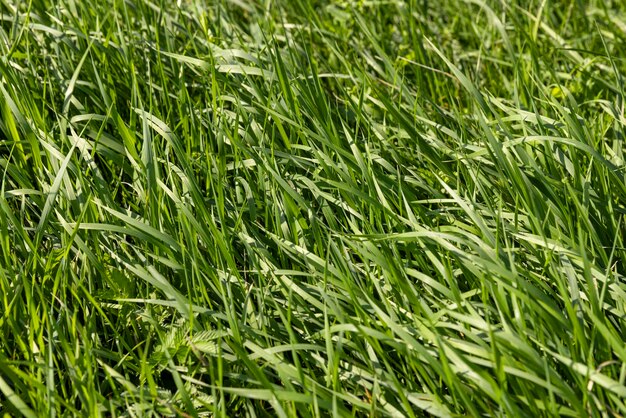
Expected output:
(312, 208)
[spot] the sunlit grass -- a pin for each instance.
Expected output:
(312, 208)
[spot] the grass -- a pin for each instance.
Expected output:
(312, 208)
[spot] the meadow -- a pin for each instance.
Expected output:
(303, 208)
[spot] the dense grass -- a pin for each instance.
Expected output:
(312, 208)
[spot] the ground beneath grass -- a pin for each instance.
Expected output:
(312, 208)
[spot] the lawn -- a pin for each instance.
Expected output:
(302, 208)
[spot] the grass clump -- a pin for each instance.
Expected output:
(312, 208)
